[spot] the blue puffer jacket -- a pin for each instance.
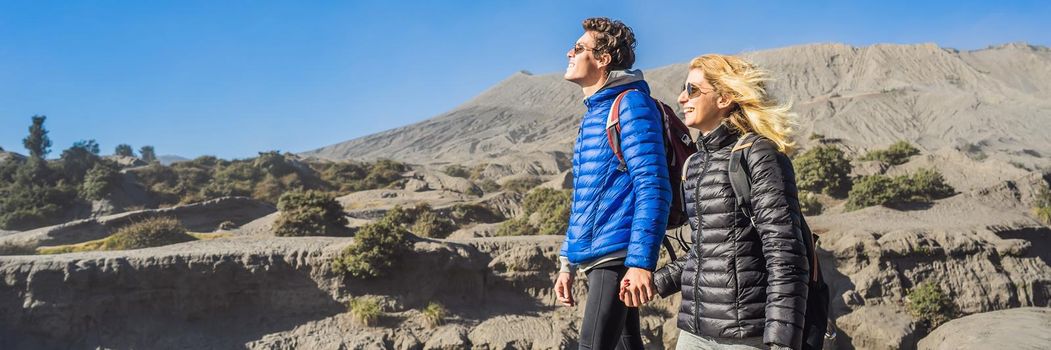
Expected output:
(615, 210)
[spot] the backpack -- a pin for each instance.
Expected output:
(678, 146)
(816, 322)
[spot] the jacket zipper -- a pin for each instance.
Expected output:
(697, 244)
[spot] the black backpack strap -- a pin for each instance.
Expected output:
(739, 178)
(671, 250)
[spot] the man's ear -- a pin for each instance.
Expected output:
(604, 60)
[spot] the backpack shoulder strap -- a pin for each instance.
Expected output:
(739, 178)
(613, 129)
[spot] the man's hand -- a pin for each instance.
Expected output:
(564, 288)
(637, 287)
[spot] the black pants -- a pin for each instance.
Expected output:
(608, 324)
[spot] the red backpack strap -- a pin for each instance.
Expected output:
(613, 129)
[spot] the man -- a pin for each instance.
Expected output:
(618, 213)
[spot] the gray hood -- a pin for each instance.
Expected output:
(622, 77)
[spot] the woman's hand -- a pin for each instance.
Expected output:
(564, 288)
(637, 287)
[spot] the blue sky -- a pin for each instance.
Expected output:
(232, 78)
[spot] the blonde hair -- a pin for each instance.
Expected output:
(745, 84)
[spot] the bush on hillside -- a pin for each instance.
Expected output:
(928, 303)
(99, 181)
(430, 224)
(545, 211)
(434, 315)
(1042, 205)
(153, 232)
(809, 203)
(896, 154)
(365, 311)
(924, 186)
(521, 185)
(309, 213)
(376, 248)
(823, 169)
(34, 198)
(457, 171)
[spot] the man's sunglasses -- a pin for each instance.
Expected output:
(694, 90)
(577, 49)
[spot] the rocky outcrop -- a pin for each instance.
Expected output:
(202, 295)
(877, 328)
(1021, 328)
(981, 248)
(203, 216)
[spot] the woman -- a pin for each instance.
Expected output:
(744, 282)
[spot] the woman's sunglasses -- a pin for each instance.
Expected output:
(694, 90)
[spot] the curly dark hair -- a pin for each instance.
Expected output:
(615, 38)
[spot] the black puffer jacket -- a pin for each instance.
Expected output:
(741, 280)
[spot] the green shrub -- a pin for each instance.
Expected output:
(37, 142)
(124, 150)
(823, 169)
(376, 248)
(274, 163)
(345, 176)
(430, 224)
(809, 203)
(924, 186)
(434, 315)
(153, 232)
(545, 211)
(1042, 205)
(147, 154)
(401, 217)
(34, 198)
(928, 303)
(462, 214)
(365, 311)
(457, 171)
(521, 185)
(350, 177)
(309, 213)
(99, 182)
(383, 173)
(552, 206)
(896, 154)
(77, 160)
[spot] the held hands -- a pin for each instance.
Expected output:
(564, 288)
(637, 287)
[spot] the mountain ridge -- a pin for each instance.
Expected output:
(994, 99)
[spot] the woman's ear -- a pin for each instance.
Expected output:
(724, 101)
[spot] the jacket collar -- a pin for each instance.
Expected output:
(723, 135)
(618, 81)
